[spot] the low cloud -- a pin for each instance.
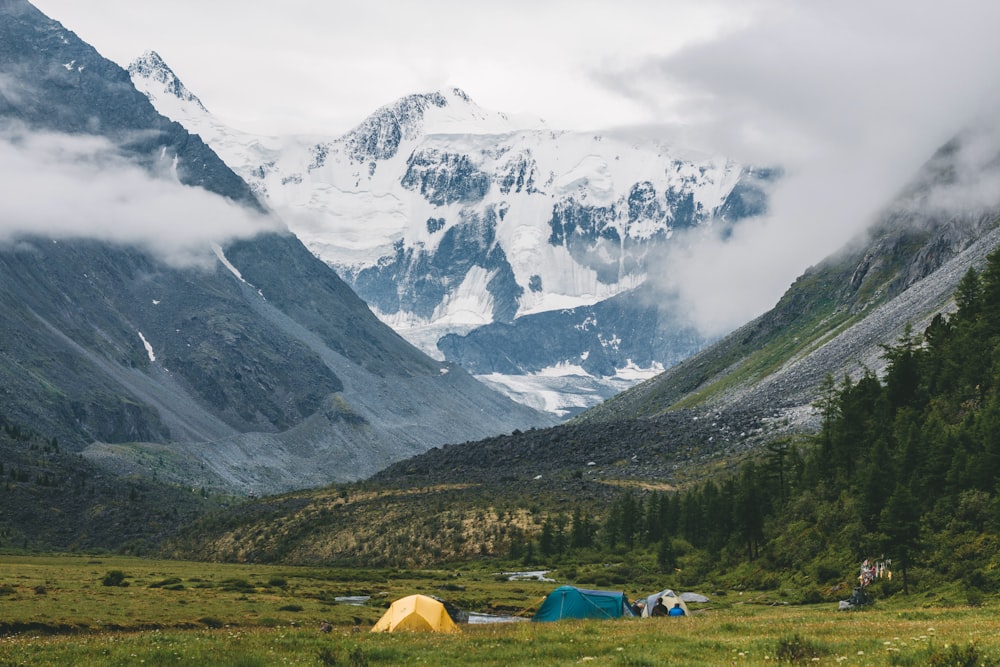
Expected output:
(968, 173)
(80, 186)
(850, 99)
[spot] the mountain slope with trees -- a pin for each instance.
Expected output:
(903, 468)
(707, 473)
(834, 318)
(53, 499)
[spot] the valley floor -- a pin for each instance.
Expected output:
(60, 610)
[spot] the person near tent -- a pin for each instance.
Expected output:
(676, 610)
(659, 609)
(638, 606)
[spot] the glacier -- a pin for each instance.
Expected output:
(447, 218)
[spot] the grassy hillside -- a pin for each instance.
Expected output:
(54, 499)
(826, 300)
(489, 499)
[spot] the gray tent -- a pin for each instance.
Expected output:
(669, 598)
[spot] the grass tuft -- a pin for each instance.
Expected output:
(796, 650)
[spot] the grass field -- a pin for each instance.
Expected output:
(57, 610)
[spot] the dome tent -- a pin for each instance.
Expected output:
(669, 599)
(416, 613)
(572, 602)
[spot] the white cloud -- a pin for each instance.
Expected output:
(79, 186)
(849, 97)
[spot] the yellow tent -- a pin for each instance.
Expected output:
(416, 612)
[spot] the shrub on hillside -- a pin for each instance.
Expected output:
(165, 583)
(114, 578)
(795, 649)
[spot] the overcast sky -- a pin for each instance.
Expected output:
(324, 66)
(850, 97)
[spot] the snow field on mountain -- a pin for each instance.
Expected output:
(442, 215)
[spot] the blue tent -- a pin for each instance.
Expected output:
(572, 602)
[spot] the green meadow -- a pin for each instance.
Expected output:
(113, 610)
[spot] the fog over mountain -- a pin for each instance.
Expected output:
(851, 99)
(81, 186)
(204, 344)
(845, 99)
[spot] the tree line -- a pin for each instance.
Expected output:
(905, 465)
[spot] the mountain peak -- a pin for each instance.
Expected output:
(449, 111)
(155, 76)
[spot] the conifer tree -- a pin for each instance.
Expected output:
(969, 296)
(900, 524)
(902, 373)
(581, 532)
(666, 559)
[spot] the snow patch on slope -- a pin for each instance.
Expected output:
(566, 389)
(149, 348)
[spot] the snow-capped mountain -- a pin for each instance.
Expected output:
(445, 218)
(159, 321)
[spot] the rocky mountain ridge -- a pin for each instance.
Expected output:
(242, 364)
(446, 218)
